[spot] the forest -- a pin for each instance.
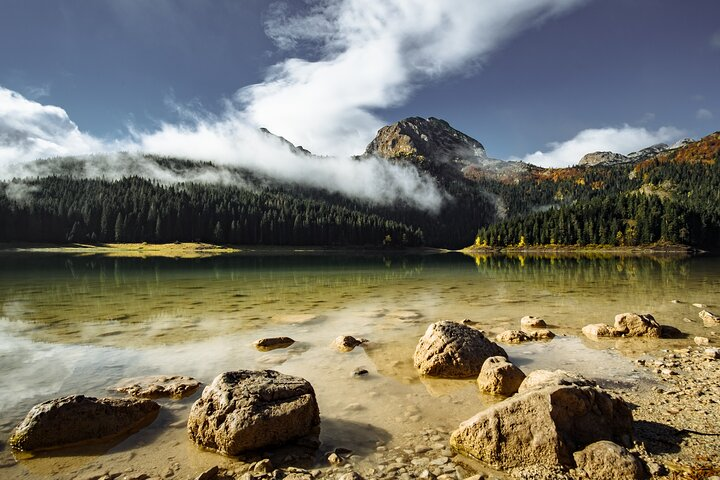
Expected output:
(671, 199)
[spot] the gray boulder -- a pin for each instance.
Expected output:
(452, 350)
(499, 376)
(637, 325)
(609, 461)
(246, 410)
(543, 426)
(76, 420)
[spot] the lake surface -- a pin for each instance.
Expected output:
(80, 324)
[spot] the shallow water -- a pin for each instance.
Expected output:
(71, 325)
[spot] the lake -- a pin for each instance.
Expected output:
(80, 324)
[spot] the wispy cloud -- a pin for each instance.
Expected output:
(373, 55)
(704, 114)
(623, 140)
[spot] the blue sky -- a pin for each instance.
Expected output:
(515, 77)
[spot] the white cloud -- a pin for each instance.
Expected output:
(29, 130)
(373, 55)
(704, 114)
(623, 140)
(370, 55)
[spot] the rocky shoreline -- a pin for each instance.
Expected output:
(674, 422)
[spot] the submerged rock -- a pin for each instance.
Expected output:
(174, 386)
(452, 350)
(77, 419)
(609, 461)
(543, 426)
(346, 343)
(513, 337)
(271, 343)
(709, 319)
(637, 325)
(542, 334)
(532, 322)
(499, 376)
(246, 410)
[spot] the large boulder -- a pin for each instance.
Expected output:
(637, 325)
(543, 426)
(77, 419)
(498, 376)
(246, 410)
(709, 319)
(609, 461)
(452, 350)
(173, 386)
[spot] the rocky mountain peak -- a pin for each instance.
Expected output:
(603, 158)
(430, 138)
(296, 149)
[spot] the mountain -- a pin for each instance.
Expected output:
(434, 146)
(612, 158)
(666, 195)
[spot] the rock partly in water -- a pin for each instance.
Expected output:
(709, 319)
(595, 330)
(637, 325)
(549, 378)
(542, 334)
(532, 322)
(543, 426)
(452, 350)
(499, 376)
(246, 410)
(346, 343)
(513, 337)
(173, 386)
(609, 461)
(76, 420)
(271, 343)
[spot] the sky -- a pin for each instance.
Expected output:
(543, 81)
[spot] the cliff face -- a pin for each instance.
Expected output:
(422, 138)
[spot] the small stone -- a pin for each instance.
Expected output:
(709, 319)
(335, 459)
(532, 322)
(359, 372)
(702, 341)
(699, 305)
(263, 466)
(439, 461)
(209, 474)
(656, 469)
(266, 344)
(346, 343)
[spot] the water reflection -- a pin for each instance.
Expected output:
(80, 324)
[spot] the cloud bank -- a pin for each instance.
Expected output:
(623, 140)
(366, 56)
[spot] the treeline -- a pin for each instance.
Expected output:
(60, 209)
(676, 203)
